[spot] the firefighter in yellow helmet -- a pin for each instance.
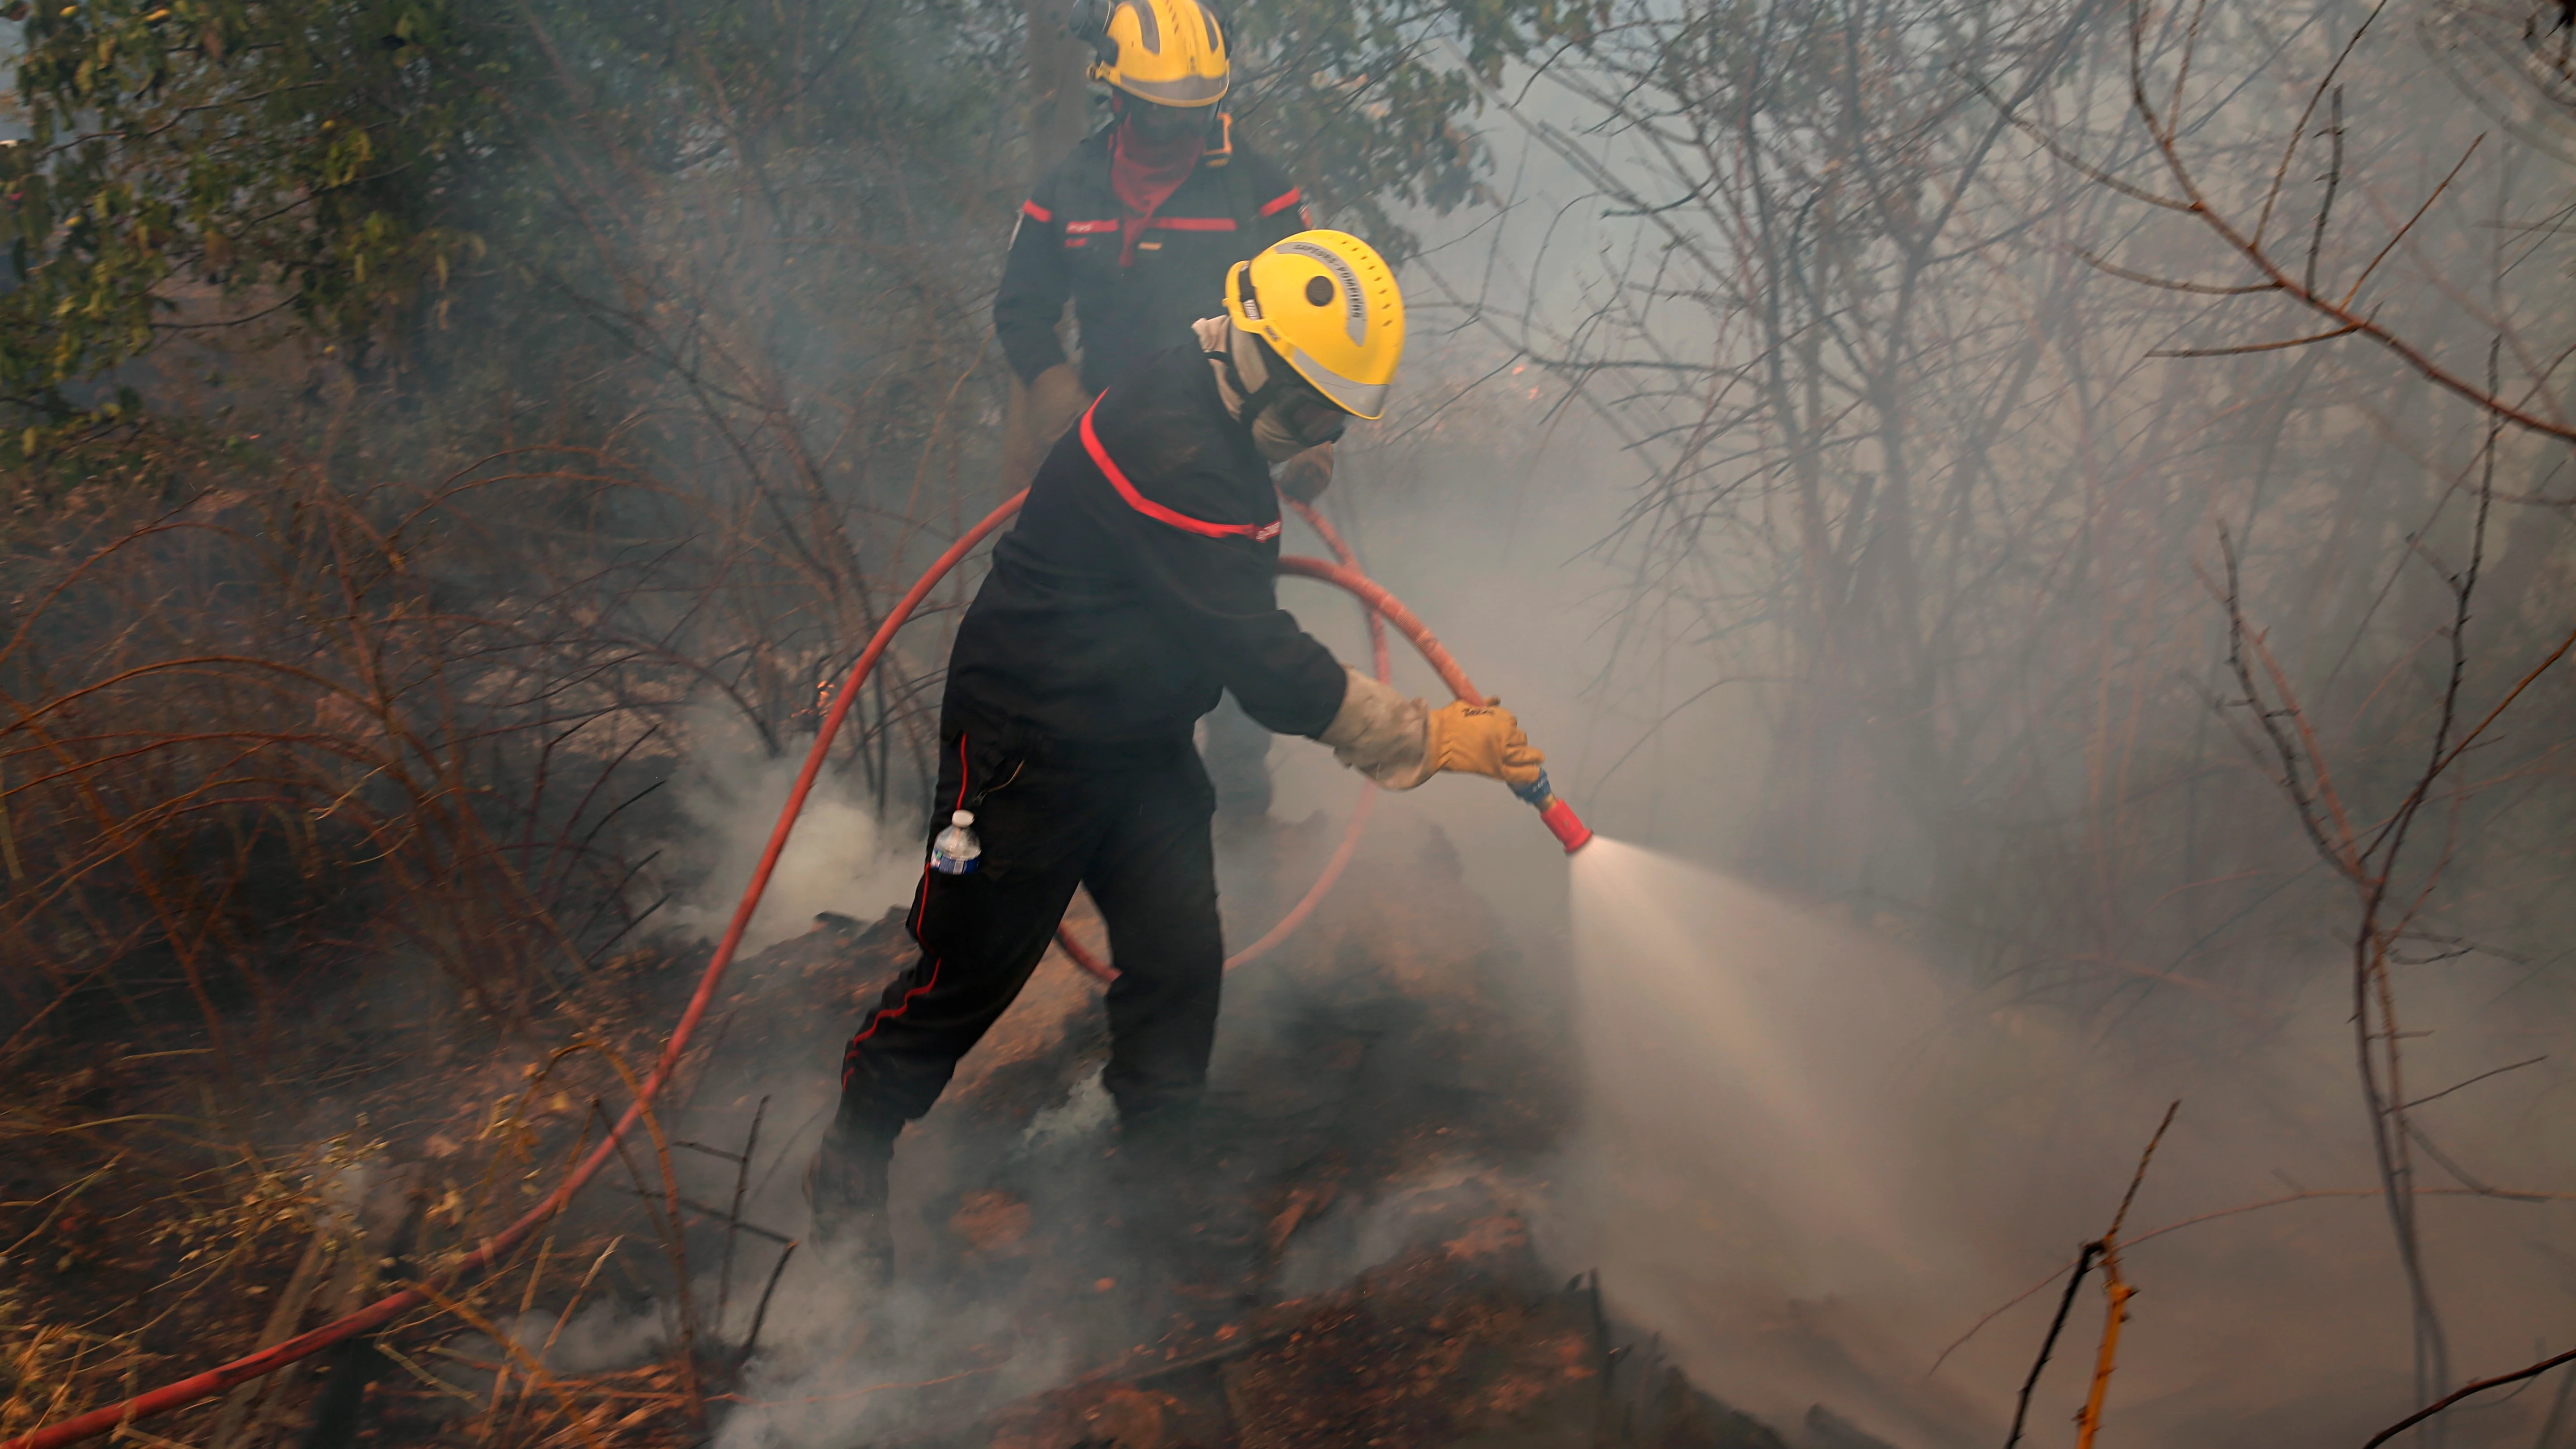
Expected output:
(1136, 229)
(1139, 580)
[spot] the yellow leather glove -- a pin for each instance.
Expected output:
(1480, 739)
(1056, 399)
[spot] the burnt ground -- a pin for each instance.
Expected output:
(1351, 1263)
(1348, 1260)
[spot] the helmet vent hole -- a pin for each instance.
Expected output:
(1319, 291)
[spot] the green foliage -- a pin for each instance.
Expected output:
(207, 158)
(205, 163)
(1369, 100)
(375, 175)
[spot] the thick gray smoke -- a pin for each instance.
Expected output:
(840, 858)
(1883, 575)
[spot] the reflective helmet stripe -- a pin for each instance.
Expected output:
(1186, 91)
(1258, 532)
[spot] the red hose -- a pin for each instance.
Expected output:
(183, 1392)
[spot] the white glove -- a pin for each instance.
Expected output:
(1380, 733)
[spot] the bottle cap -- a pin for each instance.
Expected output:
(962, 817)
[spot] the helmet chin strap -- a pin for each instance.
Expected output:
(1256, 400)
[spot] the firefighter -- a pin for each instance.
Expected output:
(1137, 227)
(1139, 579)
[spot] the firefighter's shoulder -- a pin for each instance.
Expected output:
(1268, 184)
(1069, 179)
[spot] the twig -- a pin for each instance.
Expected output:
(2243, 348)
(547, 1349)
(733, 1219)
(530, 1366)
(707, 1211)
(2116, 1292)
(2048, 1345)
(2473, 1081)
(2464, 1391)
(2325, 208)
(760, 1314)
(2463, 1175)
(501, 1370)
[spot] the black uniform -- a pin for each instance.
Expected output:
(1069, 245)
(1140, 578)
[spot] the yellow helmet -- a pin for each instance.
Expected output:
(1169, 52)
(1326, 302)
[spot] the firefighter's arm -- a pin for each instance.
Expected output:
(1035, 286)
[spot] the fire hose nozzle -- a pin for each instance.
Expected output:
(1555, 814)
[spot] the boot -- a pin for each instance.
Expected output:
(846, 1188)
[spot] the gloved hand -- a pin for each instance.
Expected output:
(1056, 398)
(1481, 739)
(1306, 476)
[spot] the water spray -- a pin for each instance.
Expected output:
(1558, 816)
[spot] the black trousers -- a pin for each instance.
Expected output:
(1129, 823)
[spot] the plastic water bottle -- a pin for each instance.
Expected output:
(954, 852)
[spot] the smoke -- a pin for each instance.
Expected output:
(1811, 1165)
(1085, 1112)
(1429, 1206)
(840, 858)
(856, 1364)
(605, 1335)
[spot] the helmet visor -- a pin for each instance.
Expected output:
(1359, 399)
(1188, 90)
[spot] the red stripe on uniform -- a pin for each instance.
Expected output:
(1036, 213)
(1285, 200)
(1192, 223)
(1081, 228)
(850, 1053)
(1156, 511)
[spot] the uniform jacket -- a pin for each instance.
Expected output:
(1234, 203)
(1140, 578)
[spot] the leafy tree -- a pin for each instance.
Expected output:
(1371, 100)
(300, 157)
(360, 170)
